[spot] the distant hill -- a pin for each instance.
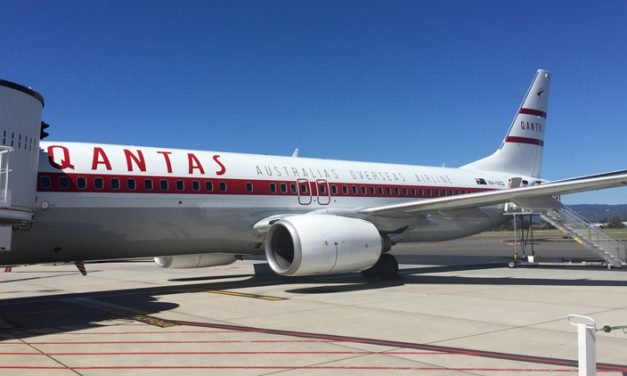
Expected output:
(599, 213)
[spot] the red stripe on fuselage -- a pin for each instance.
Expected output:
(108, 184)
(531, 111)
(524, 140)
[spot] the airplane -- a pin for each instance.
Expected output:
(191, 208)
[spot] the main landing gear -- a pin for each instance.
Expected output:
(386, 268)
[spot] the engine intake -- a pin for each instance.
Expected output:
(312, 244)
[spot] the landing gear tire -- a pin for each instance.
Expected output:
(385, 268)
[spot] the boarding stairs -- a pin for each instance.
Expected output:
(587, 234)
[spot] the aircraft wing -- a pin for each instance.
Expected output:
(527, 197)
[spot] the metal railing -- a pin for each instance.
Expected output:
(587, 234)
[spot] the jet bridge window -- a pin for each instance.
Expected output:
(131, 184)
(64, 182)
(163, 184)
(81, 182)
(115, 184)
(98, 183)
(148, 184)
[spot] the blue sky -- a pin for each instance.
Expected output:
(417, 82)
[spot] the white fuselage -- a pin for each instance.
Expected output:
(99, 201)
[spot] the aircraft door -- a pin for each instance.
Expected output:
(303, 187)
(322, 188)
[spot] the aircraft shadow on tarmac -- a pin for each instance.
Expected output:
(49, 314)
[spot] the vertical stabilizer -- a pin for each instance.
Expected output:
(521, 151)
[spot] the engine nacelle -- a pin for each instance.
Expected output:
(322, 244)
(195, 261)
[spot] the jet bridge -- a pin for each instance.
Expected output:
(20, 132)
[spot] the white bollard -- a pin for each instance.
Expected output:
(586, 333)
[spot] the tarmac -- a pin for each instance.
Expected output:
(456, 309)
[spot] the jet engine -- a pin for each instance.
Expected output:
(311, 244)
(195, 261)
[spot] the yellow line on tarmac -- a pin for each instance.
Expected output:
(246, 295)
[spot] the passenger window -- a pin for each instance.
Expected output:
(428, 192)
(148, 184)
(195, 185)
(64, 182)
(272, 188)
(388, 190)
(249, 187)
(283, 188)
(373, 191)
(293, 187)
(364, 190)
(131, 184)
(208, 186)
(98, 183)
(163, 184)
(180, 185)
(44, 181)
(303, 188)
(334, 189)
(457, 191)
(354, 189)
(344, 189)
(380, 191)
(322, 188)
(420, 192)
(115, 184)
(81, 183)
(397, 191)
(405, 192)
(223, 186)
